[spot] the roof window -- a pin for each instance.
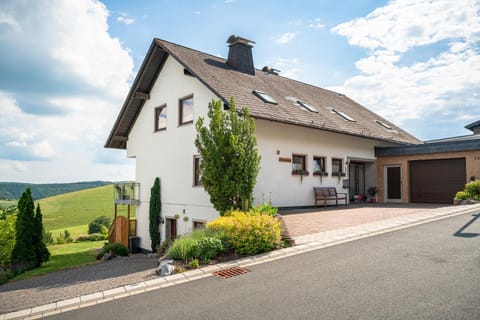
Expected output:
(344, 115)
(265, 97)
(307, 106)
(383, 124)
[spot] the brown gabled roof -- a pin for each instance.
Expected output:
(226, 82)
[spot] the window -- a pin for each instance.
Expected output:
(307, 106)
(337, 167)
(161, 118)
(319, 166)
(344, 115)
(299, 164)
(265, 97)
(185, 110)
(197, 177)
(198, 225)
(383, 124)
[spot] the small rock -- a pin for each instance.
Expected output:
(165, 268)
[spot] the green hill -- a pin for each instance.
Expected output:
(14, 190)
(77, 209)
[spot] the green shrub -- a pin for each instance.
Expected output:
(163, 248)
(194, 264)
(91, 237)
(48, 238)
(182, 249)
(461, 195)
(5, 276)
(473, 189)
(96, 225)
(116, 248)
(207, 248)
(64, 237)
(266, 208)
(249, 233)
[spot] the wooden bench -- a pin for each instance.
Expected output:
(328, 193)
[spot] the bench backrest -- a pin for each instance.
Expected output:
(325, 191)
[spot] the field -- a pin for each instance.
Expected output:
(7, 203)
(66, 256)
(74, 211)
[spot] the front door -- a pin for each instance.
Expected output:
(170, 229)
(357, 179)
(394, 184)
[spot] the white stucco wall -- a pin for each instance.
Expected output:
(168, 154)
(275, 177)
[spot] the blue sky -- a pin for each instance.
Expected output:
(67, 66)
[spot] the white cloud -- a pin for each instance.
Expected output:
(285, 38)
(229, 1)
(289, 68)
(316, 24)
(79, 72)
(437, 84)
(123, 18)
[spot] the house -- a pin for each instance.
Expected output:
(307, 136)
(431, 172)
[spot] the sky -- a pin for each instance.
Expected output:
(66, 67)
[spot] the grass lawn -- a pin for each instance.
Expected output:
(7, 203)
(65, 256)
(75, 232)
(76, 209)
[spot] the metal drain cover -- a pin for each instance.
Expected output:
(230, 272)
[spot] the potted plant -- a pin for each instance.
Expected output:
(372, 191)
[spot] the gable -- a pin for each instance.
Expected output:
(225, 82)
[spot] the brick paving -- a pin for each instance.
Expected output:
(319, 220)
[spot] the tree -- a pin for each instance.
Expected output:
(30, 250)
(155, 214)
(230, 160)
(23, 253)
(41, 251)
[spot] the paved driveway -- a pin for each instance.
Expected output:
(318, 220)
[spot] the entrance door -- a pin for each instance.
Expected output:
(170, 229)
(357, 179)
(394, 184)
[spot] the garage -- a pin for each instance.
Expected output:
(436, 181)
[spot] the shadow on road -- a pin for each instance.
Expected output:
(462, 234)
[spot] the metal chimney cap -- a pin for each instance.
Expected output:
(237, 39)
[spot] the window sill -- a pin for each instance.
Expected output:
(325, 174)
(185, 123)
(299, 173)
(336, 174)
(161, 129)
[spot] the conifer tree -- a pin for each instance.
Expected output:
(155, 214)
(24, 253)
(230, 160)
(41, 251)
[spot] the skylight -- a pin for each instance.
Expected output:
(307, 106)
(265, 97)
(383, 124)
(344, 115)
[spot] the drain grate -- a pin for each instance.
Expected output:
(230, 272)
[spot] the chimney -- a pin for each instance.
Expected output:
(240, 55)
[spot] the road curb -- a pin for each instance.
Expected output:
(324, 240)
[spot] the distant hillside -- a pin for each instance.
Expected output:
(79, 208)
(14, 190)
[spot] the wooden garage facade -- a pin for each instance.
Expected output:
(427, 173)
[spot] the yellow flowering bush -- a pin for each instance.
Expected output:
(249, 233)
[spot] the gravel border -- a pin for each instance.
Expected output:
(74, 282)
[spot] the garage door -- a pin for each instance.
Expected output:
(436, 181)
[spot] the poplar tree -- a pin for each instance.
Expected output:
(41, 251)
(229, 157)
(23, 253)
(155, 214)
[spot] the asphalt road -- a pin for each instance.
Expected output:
(431, 271)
